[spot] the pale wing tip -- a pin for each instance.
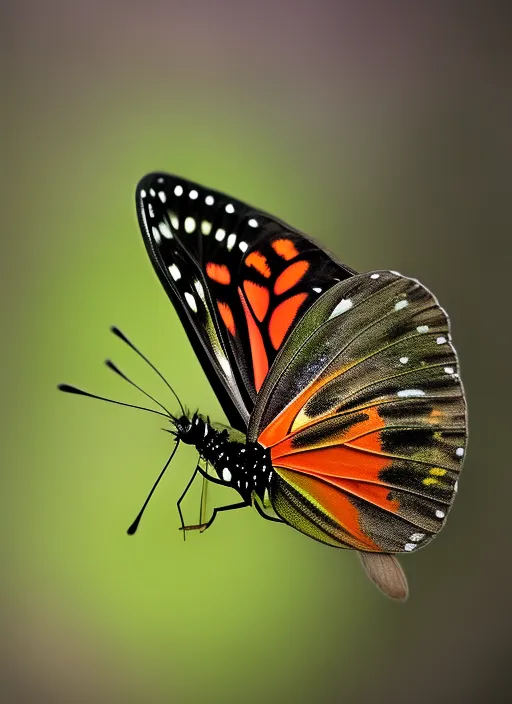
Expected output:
(385, 572)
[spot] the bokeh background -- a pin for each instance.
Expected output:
(383, 129)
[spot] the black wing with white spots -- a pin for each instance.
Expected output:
(238, 278)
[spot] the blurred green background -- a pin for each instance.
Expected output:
(381, 129)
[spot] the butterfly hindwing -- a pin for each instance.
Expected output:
(239, 279)
(365, 417)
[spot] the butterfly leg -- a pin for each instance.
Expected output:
(204, 498)
(185, 492)
(230, 507)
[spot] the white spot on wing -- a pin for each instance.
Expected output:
(220, 234)
(375, 276)
(342, 307)
(174, 272)
(156, 235)
(459, 452)
(243, 246)
(226, 474)
(165, 230)
(143, 193)
(440, 514)
(317, 289)
(178, 190)
(209, 200)
(401, 304)
(253, 223)
(174, 220)
(226, 367)
(191, 301)
(422, 328)
(193, 194)
(404, 360)
(230, 208)
(199, 288)
(151, 211)
(162, 196)
(441, 340)
(190, 225)
(416, 537)
(152, 192)
(206, 227)
(410, 393)
(410, 547)
(231, 242)
(449, 370)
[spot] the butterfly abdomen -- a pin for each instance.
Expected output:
(246, 467)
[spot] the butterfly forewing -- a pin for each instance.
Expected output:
(239, 279)
(365, 416)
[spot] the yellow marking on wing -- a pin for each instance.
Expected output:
(434, 417)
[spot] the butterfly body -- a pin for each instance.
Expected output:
(245, 467)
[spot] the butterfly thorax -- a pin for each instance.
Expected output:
(246, 467)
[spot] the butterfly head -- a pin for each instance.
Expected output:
(191, 430)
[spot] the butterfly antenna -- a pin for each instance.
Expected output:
(115, 369)
(73, 390)
(131, 530)
(123, 337)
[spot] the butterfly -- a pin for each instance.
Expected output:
(342, 390)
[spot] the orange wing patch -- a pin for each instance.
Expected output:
(227, 316)
(290, 276)
(218, 272)
(279, 428)
(259, 355)
(348, 463)
(361, 433)
(285, 248)
(282, 317)
(339, 462)
(259, 298)
(334, 503)
(376, 494)
(259, 262)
